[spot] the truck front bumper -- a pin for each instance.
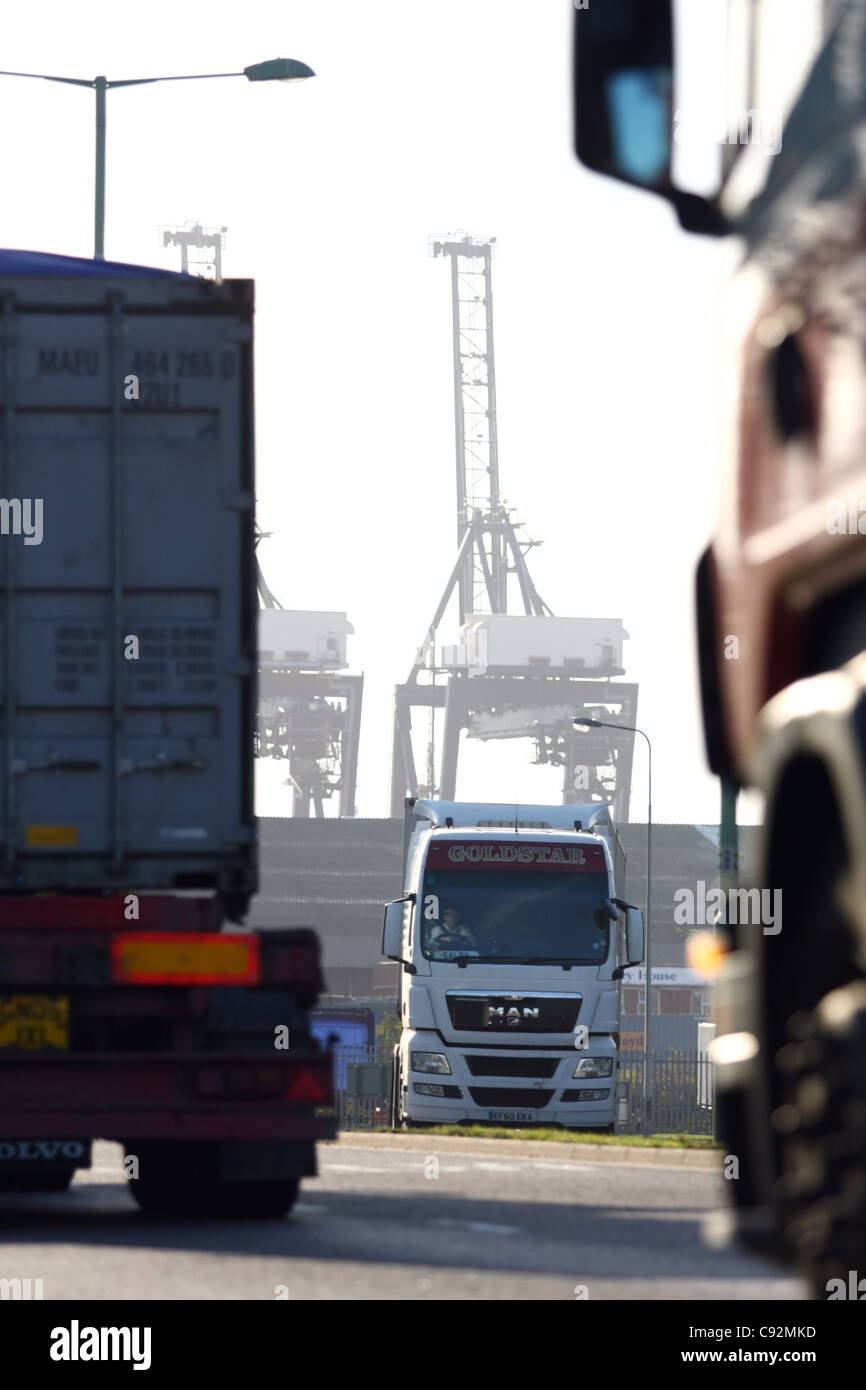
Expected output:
(553, 1096)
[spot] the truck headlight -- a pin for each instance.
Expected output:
(431, 1061)
(594, 1066)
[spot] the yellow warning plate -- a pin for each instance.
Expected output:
(52, 836)
(31, 1022)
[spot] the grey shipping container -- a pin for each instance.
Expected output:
(127, 587)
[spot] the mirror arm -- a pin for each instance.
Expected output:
(697, 214)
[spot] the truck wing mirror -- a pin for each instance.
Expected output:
(395, 928)
(624, 99)
(634, 935)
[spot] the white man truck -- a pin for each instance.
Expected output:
(513, 942)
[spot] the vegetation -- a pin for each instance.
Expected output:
(388, 1033)
(571, 1136)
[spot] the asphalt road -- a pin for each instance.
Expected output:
(380, 1224)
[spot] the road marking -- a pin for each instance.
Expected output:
(413, 1166)
(485, 1228)
(544, 1164)
(307, 1209)
(364, 1168)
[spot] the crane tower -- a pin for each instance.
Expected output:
(492, 549)
(517, 671)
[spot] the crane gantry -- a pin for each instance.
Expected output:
(517, 671)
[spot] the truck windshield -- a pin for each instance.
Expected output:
(514, 915)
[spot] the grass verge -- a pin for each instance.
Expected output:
(570, 1136)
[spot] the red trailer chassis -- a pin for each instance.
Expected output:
(163, 1031)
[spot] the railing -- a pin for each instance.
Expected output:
(357, 1106)
(681, 1090)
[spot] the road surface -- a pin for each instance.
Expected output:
(391, 1224)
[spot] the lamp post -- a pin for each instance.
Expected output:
(274, 70)
(581, 723)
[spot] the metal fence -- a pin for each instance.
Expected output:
(680, 1088)
(680, 1085)
(362, 1087)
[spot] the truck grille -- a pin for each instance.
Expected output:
(498, 1096)
(476, 1011)
(512, 1066)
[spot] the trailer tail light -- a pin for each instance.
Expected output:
(241, 1082)
(184, 958)
(308, 1085)
(267, 1082)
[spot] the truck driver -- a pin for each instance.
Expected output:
(449, 933)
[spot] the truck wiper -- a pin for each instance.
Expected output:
(463, 961)
(565, 961)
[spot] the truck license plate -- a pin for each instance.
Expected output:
(521, 1115)
(32, 1022)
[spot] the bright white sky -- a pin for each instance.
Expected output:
(422, 119)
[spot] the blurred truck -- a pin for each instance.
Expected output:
(781, 591)
(134, 1006)
(513, 945)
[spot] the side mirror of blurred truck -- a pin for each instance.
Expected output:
(624, 79)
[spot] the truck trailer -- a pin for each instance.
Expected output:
(134, 1005)
(512, 942)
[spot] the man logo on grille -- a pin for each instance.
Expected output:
(513, 1017)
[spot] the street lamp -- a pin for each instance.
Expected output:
(581, 723)
(274, 70)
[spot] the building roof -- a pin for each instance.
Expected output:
(13, 262)
(337, 875)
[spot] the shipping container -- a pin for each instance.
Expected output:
(127, 589)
